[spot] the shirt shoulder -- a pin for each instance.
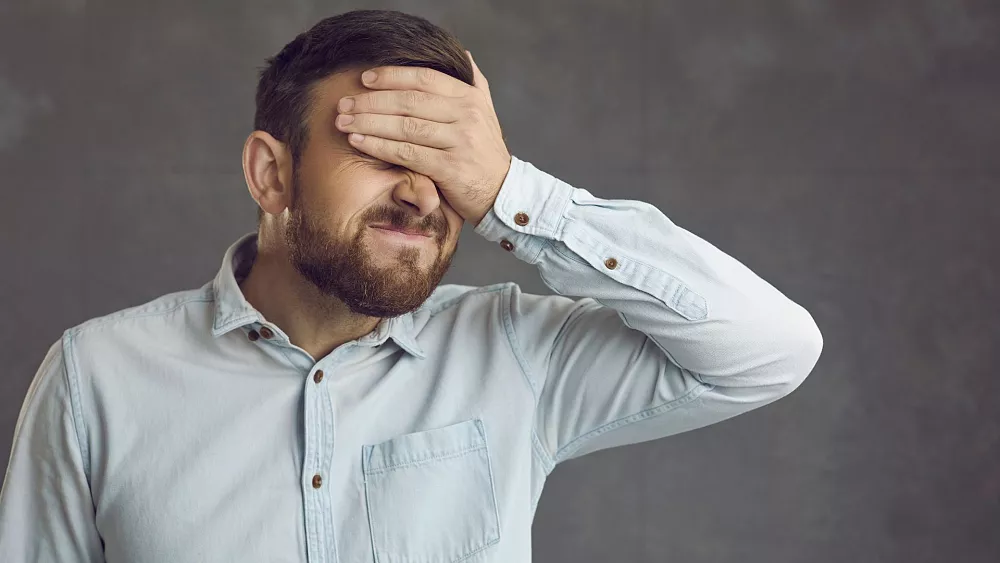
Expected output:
(508, 296)
(158, 311)
(450, 295)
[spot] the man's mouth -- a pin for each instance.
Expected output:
(406, 234)
(410, 232)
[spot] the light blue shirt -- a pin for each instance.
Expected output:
(189, 429)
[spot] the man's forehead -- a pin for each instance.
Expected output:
(346, 82)
(350, 150)
(325, 95)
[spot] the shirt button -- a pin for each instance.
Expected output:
(266, 332)
(507, 245)
(521, 219)
(252, 335)
(611, 263)
(317, 481)
(318, 376)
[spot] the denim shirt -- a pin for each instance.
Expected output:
(191, 429)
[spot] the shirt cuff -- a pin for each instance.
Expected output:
(532, 195)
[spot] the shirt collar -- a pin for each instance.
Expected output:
(232, 310)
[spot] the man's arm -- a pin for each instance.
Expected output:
(46, 510)
(670, 333)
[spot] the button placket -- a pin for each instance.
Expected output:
(319, 422)
(316, 458)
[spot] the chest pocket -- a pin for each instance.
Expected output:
(430, 495)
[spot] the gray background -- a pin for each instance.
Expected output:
(845, 151)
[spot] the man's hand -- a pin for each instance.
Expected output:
(436, 125)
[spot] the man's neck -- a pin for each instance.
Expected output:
(313, 321)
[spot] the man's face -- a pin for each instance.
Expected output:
(339, 193)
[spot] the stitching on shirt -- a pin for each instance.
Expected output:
(71, 373)
(506, 301)
(485, 545)
(434, 456)
(493, 488)
(368, 511)
(673, 302)
(572, 256)
(159, 306)
(589, 242)
(527, 244)
(650, 412)
(231, 321)
(281, 349)
(153, 308)
(547, 464)
(458, 298)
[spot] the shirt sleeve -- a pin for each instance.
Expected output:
(46, 509)
(669, 333)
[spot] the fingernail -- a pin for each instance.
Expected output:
(368, 77)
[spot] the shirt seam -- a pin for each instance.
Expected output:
(135, 313)
(507, 315)
(433, 458)
(691, 395)
(71, 375)
(493, 288)
(71, 371)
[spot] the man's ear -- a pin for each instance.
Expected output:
(267, 168)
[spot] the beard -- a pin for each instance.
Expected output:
(347, 269)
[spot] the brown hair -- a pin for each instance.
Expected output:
(355, 39)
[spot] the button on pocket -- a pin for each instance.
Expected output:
(430, 495)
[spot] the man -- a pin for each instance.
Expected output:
(324, 399)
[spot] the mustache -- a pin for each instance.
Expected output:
(433, 227)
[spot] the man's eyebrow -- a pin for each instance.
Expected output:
(357, 153)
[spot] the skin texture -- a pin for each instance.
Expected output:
(323, 273)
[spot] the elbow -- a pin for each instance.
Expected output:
(804, 350)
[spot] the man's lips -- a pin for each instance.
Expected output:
(411, 232)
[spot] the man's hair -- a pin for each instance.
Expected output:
(352, 40)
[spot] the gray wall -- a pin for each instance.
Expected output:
(845, 151)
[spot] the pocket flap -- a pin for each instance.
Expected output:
(426, 445)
